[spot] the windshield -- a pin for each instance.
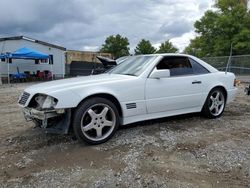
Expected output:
(121, 59)
(133, 65)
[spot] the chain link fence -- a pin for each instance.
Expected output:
(240, 65)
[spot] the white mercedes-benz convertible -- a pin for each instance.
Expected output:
(140, 88)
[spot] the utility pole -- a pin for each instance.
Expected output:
(230, 57)
(1, 79)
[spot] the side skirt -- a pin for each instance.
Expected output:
(133, 119)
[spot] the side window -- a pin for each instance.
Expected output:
(43, 60)
(178, 66)
(51, 59)
(198, 68)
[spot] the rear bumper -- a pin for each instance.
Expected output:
(231, 94)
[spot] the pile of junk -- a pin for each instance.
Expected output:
(108, 64)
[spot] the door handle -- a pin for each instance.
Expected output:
(196, 82)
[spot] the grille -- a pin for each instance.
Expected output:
(24, 98)
(131, 105)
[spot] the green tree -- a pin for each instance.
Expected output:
(144, 47)
(194, 48)
(167, 47)
(116, 45)
(229, 23)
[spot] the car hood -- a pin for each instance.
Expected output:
(70, 83)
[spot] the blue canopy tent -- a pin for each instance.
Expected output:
(24, 53)
(27, 53)
(2, 56)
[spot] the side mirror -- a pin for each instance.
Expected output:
(164, 73)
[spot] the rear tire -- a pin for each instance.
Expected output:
(215, 104)
(95, 120)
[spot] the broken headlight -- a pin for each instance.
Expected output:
(45, 101)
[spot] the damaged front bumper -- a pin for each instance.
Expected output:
(30, 114)
(53, 121)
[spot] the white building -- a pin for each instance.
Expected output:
(11, 44)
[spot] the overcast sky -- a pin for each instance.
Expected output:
(84, 24)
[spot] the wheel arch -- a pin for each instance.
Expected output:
(107, 96)
(222, 88)
(205, 109)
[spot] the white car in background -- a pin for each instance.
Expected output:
(140, 88)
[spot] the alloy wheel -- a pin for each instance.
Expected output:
(216, 103)
(98, 122)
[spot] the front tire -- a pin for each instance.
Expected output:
(95, 120)
(215, 103)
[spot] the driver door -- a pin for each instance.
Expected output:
(182, 90)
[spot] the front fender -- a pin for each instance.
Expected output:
(66, 99)
(85, 93)
(71, 98)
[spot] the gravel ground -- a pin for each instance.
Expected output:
(181, 151)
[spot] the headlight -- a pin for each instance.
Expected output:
(49, 102)
(45, 101)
